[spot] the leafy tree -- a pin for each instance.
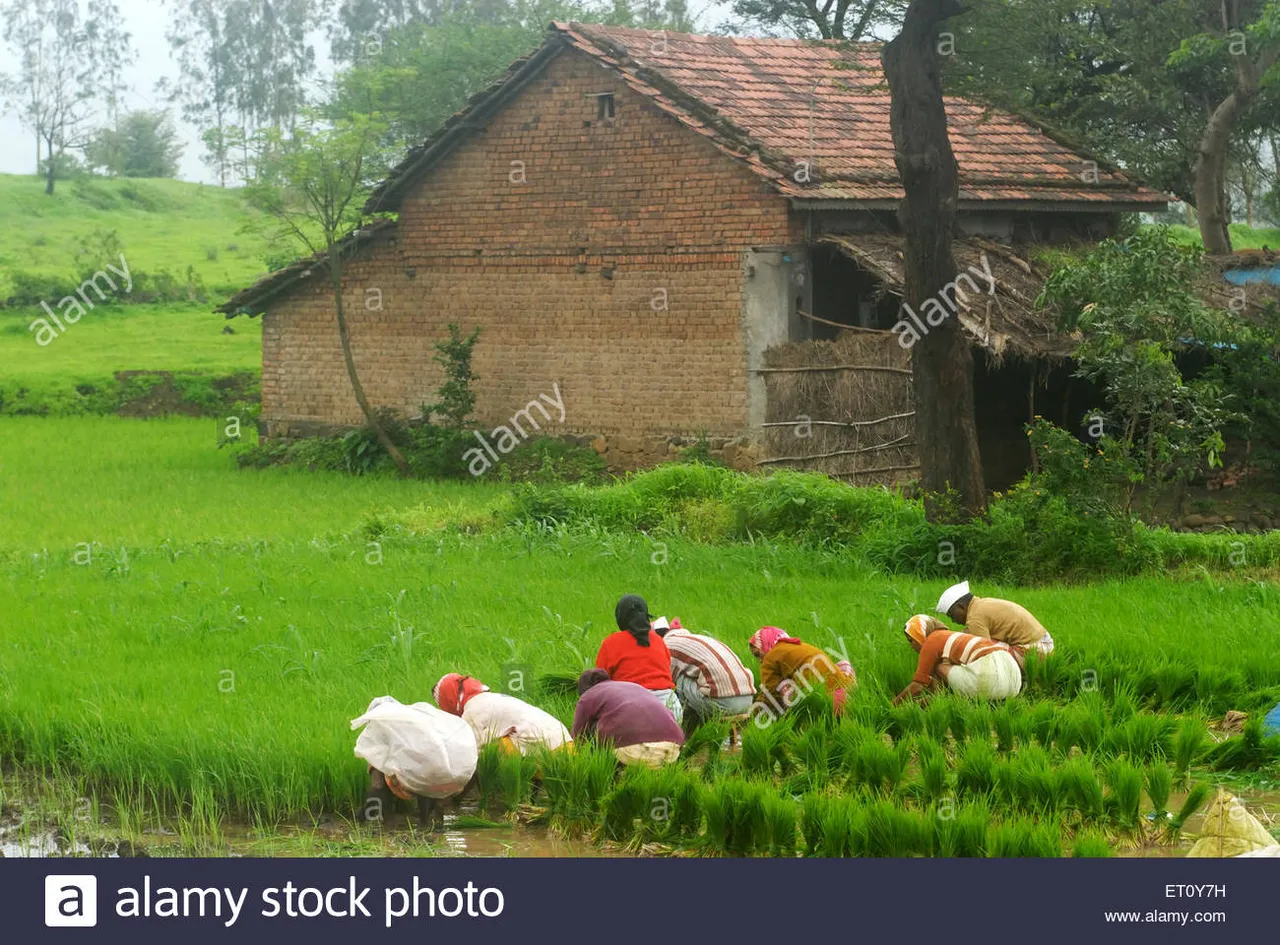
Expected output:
(1134, 302)
(851, 20)
(313, 181)
(201, 35)
(144, 145)
(1136, 82)
(64, 59)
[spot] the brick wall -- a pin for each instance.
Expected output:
(602, 257)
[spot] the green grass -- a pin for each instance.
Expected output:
(1242, 237)
(165, 224)
(213, 663)
(144, 483)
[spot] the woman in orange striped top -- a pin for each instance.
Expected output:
(967, 664)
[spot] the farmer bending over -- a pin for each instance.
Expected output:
(995, 619)
(711, 681)
(634, 654)
(967, 664)
(626, 716)
(790, 668)
(514, 724)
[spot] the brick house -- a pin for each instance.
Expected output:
(637, 219)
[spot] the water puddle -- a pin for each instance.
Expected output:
(1262, 804)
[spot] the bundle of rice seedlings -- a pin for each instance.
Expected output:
(1003, 722)
(1188, 743)
(813, 750)
(736, 816)
(781, 812)
(937, 718)
(887, 830)
(905, 720)
(963, 832)
(1125, 800)
(1142, 736)
(976, 722)
(840, 819)
(686, 807)
(1091, 844)
(1043, 717)
(1010, 839)
(706, 742)
(881, 767)
(815, 708)
(813, 808)
(515, 778)
(487, 775)
(1159, 786)
(975, 772)
(1078, 786)
(558, 684)
(1123, 703)
(847, 738)
(765, 749)
(1251, 750)
(621, 807)
(1196, 798)
(933, 768)
(1174, 684)
(575, 781)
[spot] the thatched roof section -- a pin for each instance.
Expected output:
(1004, 323)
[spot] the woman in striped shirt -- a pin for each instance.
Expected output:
(967, 664)
(711, 682)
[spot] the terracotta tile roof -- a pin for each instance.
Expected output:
(774, 103)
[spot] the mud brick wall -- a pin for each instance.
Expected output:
(602, 256)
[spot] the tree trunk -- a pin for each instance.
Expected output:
(51, 170)
(941, 362)
(335, 278)
(1211, 166)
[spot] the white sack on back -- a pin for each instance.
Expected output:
(430, 752)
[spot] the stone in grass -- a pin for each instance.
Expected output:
(1230, 830)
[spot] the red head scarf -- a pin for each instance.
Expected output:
(453, 690)
(766, 638)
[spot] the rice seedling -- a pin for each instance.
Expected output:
(975, 773)
(1159, 786)
(932, 762)
(487, 779)
(813, 749)
(1003, 722)
(1079, 788)
(880, 767)
(1124, 703)
(768, 749)
(621, 807)
(706, 743)
(1142, 736)
(1091, 844)
(1125, 800)
(1188, 744)
(575, 781)
(1196, 799)
(890, 831)
(847, 738)
(906, 720)
(1251, 750)
(686, 807)
(515, 779)
(1174, 683)
(976, 722)
(815, 708)
(813, 808)
(781, 813)
(937, 718)
(1042, 718)
(737, 817)
(963, 832)
(840, 820)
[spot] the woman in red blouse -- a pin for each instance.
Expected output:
(634, 654)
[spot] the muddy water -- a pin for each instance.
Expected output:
(1262, 804)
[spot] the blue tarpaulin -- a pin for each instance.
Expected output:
(1253, 276)
(1271, 723)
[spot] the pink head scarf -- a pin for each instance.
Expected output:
(766, 638)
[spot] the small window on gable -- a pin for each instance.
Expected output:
(604, 106)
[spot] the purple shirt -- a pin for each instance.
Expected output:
(624, 714)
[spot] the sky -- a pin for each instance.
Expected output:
(146, 21)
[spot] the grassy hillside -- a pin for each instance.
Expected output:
(160, 225)
(1242, 237)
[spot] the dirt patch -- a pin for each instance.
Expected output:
(145, 394)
